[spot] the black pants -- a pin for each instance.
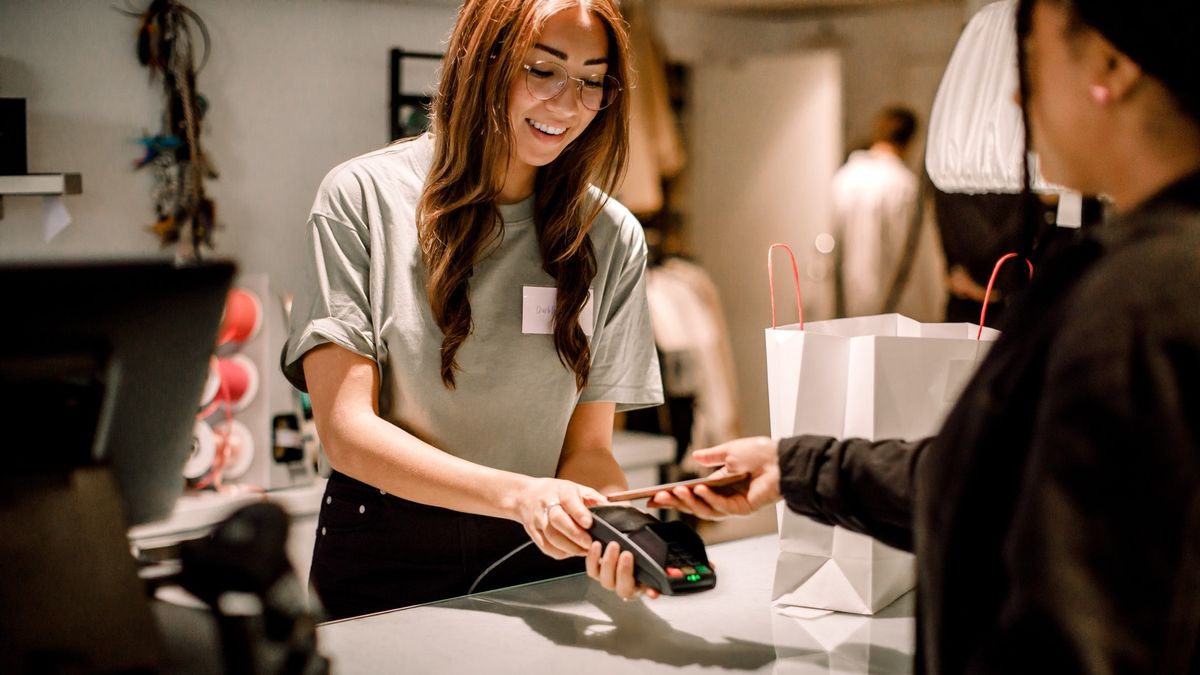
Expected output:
(376, 552)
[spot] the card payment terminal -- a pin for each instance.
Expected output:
(668, 557)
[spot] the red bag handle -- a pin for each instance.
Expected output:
(987, 296)
(795, 280)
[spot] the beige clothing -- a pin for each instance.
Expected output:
(874, 197)
(689, 328)
(655, 144)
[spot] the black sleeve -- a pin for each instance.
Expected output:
(865, 486)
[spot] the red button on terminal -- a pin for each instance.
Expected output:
(674, 572)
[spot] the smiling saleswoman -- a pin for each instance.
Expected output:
(476, 314)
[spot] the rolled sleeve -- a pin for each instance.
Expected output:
(624, 362)
(334, 307)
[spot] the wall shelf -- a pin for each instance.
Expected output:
(39, 184)
(407, 116)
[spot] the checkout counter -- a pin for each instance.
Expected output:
(74, 596)
(572, 625)
(640, 455)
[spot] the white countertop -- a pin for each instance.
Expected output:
(634, 449)
(572, 625)
(197, 512)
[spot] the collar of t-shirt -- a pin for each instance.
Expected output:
(517, 213)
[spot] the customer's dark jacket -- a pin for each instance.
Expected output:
(1056, 516)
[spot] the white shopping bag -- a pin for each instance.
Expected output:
(872, 377)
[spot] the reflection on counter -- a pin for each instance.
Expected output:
(572, 625)
(846, 643)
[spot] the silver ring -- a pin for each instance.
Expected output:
(550, 507)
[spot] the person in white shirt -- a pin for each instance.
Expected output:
(874, 198)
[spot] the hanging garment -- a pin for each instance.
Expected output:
(655, 145)
(976, 135)
(690, 331)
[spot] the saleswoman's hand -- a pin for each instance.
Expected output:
(613, 568)
(758, 456)
(556, 516)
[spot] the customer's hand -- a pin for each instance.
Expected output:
(961, 285)
(556, 516)
(758, 456)
(613, 568)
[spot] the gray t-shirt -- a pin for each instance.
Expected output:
(514, 397)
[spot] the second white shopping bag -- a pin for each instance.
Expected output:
(873, 377)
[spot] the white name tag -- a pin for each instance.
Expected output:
(537, 311)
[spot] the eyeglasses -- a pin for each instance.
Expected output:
(546, 80)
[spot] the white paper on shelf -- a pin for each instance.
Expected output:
(55, 216)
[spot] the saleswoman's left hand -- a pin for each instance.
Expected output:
(613, 568)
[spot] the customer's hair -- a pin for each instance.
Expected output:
(895, 125)
(457, 217)
(1159, 36)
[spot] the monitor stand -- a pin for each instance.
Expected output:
(72, 599)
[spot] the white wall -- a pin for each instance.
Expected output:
(294, 87)
(974, 6)
(887, 55)
(763, 166)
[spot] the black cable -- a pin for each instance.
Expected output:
(496, 564)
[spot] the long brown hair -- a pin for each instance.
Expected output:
(457, 217)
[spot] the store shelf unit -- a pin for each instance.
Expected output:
(39, 185)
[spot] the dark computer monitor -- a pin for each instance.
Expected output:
(101, 370)
(103, 363)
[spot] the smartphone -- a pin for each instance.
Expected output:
(726, 484)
